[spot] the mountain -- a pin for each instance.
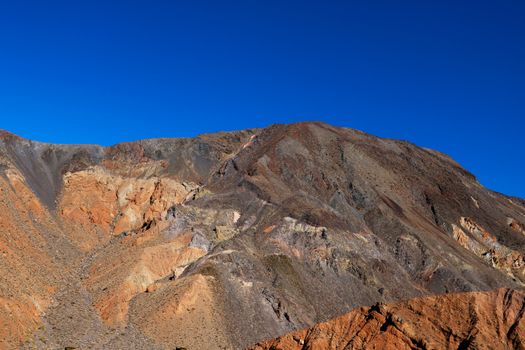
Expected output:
(224, 240)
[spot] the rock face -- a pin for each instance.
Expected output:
(473, 320)
(172, 243)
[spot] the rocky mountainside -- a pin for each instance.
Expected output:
(472, 320)
(227, 239)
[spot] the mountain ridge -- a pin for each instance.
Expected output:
(480, 320)
(165, 243)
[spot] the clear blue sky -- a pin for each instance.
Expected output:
(449, 75)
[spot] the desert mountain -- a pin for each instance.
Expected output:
(227, 239)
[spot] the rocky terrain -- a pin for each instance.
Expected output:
(471, 320)
(224, 240)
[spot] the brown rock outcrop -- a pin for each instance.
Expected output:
(115, 204)
(475, 320)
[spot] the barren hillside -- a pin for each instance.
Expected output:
(224, 240)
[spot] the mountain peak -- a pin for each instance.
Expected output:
(284, 226)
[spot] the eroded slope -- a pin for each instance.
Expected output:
(474, 320)
(225, 239)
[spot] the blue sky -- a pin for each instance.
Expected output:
(449, 75)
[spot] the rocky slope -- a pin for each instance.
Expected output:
(473, 320)
(226, 239)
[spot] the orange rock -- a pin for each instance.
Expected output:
(98, 199)
(269, 229)
(28, 272)
(478, 320)
(132, 271)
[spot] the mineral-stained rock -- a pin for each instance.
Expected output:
(226, 239)
(474, 320)
(486, 246)
(97, 198)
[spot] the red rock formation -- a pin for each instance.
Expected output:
(475, 320)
